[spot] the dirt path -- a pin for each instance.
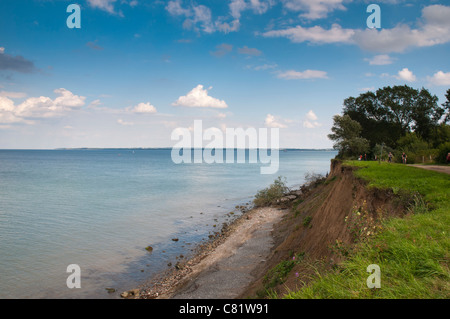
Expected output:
(436, 168)
(227, 270)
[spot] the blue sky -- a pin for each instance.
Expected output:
(137, 69)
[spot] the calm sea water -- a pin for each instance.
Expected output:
(99, 209)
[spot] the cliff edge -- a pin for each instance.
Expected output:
(330, 216)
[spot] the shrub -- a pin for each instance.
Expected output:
(278, 274)
(314, 179)
(307, 221)
(443, 150)
(271, 194)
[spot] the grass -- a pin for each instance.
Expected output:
(412, 252)
(307, 221)
(277, 275)
(433, 186)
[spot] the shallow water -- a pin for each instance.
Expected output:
(99, 209)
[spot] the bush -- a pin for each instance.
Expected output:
(443, 150)
(278, 274)
(417, 150)
(307, 221)
(382, 151)
(314, 179)
(271, 194)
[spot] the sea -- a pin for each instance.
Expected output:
(99, 209)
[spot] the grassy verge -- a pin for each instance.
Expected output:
(412, 252)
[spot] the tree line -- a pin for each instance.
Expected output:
(393, 119)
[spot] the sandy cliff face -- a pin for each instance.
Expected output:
(338, 212)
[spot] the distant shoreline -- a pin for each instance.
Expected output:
(151, 148)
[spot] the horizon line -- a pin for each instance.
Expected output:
(155, 148)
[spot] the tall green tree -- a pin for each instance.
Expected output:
(392, 112)
(346, 137)
(446, 106)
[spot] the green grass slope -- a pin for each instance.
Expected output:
(412, 252)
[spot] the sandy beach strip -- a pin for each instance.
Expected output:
(223, 267)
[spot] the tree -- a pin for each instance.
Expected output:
(446, 106)
(392, 112)
(397, 104)
(372, 116)
(346, 135)
(426, 115)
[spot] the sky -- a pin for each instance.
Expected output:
(136, 70)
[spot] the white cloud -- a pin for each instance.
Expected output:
(257, 6)
(260, 6)
(40, 107)
(249, 51)
(94, 104)
(307, 74)
(198, 97)
(406, 75)
(175, 8)
(226, 27)
(366, 89)
(202, 15)
(143, 108)
(440, 78)
(7, 111)
(105, 5)
(2, 50)
(382, 59)
(434, 29)
(264, 67)
(271, 121)
(199, 17)
(170, 124)
(311, 116)
(311, 120)
(316, 34)
(222, 49)
(108, 5)
(308, 124)
(13, 95)
(436, 15)
(67, 99)
(124, 123)
(194, 14)
(236, 7)
(6, 104)
(316, 9)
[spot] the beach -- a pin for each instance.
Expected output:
(229, 261)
